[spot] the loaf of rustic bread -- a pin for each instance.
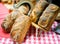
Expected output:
(10, 18)
(20, 28)
(48, 17)
(38, 9)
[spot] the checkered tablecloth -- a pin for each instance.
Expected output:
(33, 36)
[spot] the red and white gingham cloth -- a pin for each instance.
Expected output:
(33, 36)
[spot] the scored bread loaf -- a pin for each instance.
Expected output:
(48, 17)
(10, 18)
(38, 9)
(20, 28)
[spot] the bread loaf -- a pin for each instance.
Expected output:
(10, 18)
(20, 28)
(48, 17)
(38, 9)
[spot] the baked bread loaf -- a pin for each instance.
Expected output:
(38, 9)
(10, 18)
(48, 17)
(20, 28)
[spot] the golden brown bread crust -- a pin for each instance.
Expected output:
(20, 28)
(10, 18)
(48, 17)
(38, 9)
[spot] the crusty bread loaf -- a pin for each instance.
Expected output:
(20, 28)
(38, 9)
(10, 18)
(48, 17)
